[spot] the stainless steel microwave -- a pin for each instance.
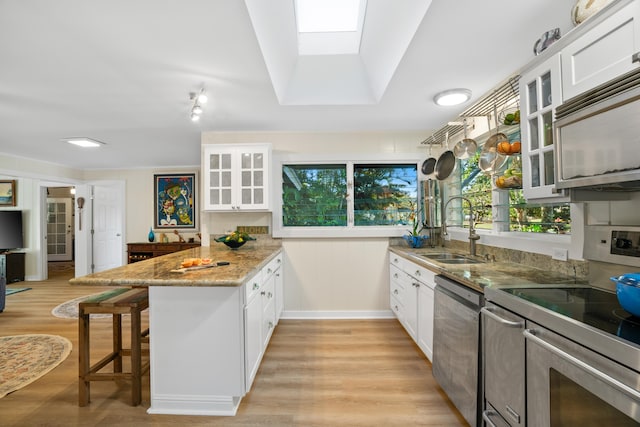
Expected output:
(597, 136)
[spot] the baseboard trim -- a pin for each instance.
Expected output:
(377, 314)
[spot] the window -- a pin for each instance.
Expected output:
(507, 210)
(384, 194)
(336, 199)
(314, 195)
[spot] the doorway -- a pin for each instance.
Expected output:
(60, 233)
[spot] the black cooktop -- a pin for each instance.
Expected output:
(594, 307)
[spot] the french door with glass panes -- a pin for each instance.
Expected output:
(59, 229)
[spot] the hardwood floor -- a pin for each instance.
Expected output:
(314, 373)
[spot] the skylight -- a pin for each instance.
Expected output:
(322, 16)
(329, 27)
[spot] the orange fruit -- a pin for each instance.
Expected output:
(500, 182)
(516, 147)
(187, 263)
(196, 261)
(504, 147)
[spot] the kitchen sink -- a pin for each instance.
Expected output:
(449, 258)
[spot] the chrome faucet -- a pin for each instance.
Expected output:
(473, 236)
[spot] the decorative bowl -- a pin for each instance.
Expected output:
(415, 241)
(628, 292)
(235, 239)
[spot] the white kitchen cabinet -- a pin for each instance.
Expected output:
(260, 315)
(603, 52)
(412, 300)
(397, 293)
(236, 177)
(223, 332)
(541, 92)
(253, 338)
(275, 268)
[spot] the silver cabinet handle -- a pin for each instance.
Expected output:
(635, 57)
(395, 291)
(530, 334)
(416, 284)
(486, 416)
(256, 286)
(263, 293)
(509, 323)
(418, 273)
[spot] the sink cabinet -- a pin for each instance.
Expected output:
(236, 177)
(412, 300)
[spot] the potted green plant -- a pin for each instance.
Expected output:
(415, 239)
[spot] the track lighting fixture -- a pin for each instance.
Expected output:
(198, 99)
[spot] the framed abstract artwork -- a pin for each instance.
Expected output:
(175, 201)
(8, 193)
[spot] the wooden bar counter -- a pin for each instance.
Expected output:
(209, 328)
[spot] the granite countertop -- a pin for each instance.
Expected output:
(244, 263)
(487, 273)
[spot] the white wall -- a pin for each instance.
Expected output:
(329, 277)
(139, 184)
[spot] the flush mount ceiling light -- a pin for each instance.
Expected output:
(452, 97)
(198, 99)
(84, 142)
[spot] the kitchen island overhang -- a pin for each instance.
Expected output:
(208, 328)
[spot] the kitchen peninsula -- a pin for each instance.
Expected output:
(209, 327)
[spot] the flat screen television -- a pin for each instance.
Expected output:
(11, 236)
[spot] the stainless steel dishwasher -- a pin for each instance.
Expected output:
(456, 341)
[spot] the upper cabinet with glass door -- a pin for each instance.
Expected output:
(236, 177)
(541, 92)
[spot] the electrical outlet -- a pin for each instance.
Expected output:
(560, 254)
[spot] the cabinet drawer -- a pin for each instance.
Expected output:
(398, 308)
(421, 273)
(396, 260)
(271, 267)
(252, 287)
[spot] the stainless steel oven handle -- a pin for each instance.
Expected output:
(486, 417)
(509, 323)
(530, 335)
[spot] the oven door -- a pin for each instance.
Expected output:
(569, 385)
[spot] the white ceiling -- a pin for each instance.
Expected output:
(120, 71)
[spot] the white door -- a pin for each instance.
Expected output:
(59, 229)
(108, 226)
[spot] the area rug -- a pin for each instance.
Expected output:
(11, 291)
(69, 309)
(25, 358)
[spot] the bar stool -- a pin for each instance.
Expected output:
(116, 302)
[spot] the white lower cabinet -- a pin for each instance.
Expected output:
(208, 342)
(260, 315)
(411, 299)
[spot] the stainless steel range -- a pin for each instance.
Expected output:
(582, 352)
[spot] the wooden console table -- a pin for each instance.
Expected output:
(142, 251)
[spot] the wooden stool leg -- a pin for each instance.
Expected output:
(83, 365)
(117, 342)
(136, 358)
